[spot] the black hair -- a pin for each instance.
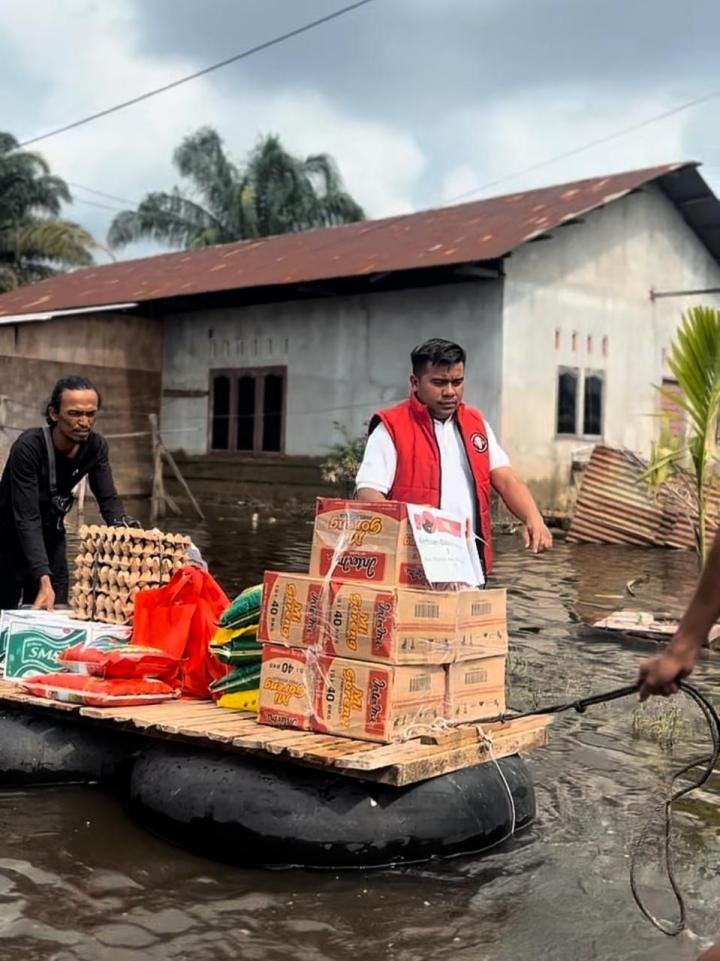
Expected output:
(68, 383)
(438, 352)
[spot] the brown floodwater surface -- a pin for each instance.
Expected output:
(80, 882)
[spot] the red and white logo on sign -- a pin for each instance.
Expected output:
(479, 442)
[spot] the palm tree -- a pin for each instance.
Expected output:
(35, 242)
(274, 193)
(694, 359)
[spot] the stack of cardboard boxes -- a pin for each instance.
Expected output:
(363, 647)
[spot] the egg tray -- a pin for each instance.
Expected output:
(114, 563)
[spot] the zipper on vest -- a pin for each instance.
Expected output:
(439, 454)
(480, 535)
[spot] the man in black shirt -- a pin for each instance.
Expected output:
(43, 467)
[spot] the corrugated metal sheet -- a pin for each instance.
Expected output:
(483, 230)
(616, 506)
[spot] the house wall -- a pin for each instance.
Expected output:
(593, 280)
(122, 354)
(345, 357)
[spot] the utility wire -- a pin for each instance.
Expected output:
(640, 125)
(632, 128)
(101, 193)
(198, 73)
(96, 203)
(386, 222)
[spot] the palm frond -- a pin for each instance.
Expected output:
(202, 159)
(169, 218)
(56, 241)
(694, 359)
(274, 193)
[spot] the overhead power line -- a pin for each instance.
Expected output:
(96, 203)
(632, 128)
(101, 193)
(198, 73)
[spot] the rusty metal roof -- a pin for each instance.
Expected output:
(616, 506)
(483, 230)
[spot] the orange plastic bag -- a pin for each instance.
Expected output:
(180, 618)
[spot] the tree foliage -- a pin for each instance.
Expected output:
(342, 463)
(274, 193)
(35, 242)
(694, 359)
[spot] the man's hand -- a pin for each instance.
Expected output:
(536, 536)
(45, 600)
(660, 674)
(519, 501)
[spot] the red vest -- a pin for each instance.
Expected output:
(417, 476)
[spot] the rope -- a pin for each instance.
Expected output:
(707, 763)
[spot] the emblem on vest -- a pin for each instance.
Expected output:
(479, 442)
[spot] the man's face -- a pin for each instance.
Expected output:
(76, 417)
(440, 388)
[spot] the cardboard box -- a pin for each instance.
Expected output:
(293, 609)
(365, 543)
(475, 689)
(32, 640)
(388, 625)
(286, 688)
(376, 702)
(481, 624)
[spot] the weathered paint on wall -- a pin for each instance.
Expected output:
(346, 356)
(121, 354)
(592, 280)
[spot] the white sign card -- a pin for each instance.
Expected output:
(445, 546)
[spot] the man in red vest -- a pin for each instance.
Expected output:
(433, 449)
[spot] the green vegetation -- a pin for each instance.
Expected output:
(274, 193)
(35, 242)
(688, 467)
(341, 465)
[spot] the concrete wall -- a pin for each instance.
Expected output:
(346, 356)
(593, 280)
(121, 354)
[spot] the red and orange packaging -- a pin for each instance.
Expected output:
(389, 625)
(286, 688)
(376, 702)
(370, 543)
(475, 689)
(384, 624)
(336, 695)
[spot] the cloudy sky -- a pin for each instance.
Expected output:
(419, 101)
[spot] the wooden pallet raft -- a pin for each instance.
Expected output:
(407, 762)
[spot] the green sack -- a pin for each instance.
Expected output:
(244, 678)
(245, 609)
(231, 655)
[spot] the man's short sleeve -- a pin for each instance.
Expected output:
(498, 457)
(379, 462)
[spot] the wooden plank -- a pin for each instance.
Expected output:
(326, 749)
(409, 752)
(302, 740)
(263, 734)
(399, 764)
(222, 731)
(153, 714)
(456, 738)
(421, 769)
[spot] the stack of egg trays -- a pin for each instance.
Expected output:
(114, 563)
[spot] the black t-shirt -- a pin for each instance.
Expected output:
(27, 520)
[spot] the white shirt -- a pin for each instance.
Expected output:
(457, 486)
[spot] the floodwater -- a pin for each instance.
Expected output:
(80, 882)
